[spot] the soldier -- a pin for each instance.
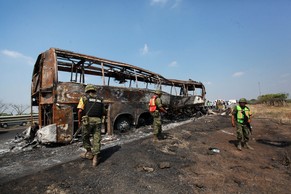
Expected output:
(91, 110)
(155, 107)
(241, 118)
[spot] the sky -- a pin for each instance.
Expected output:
(237, 48)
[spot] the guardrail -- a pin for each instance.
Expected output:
(22, 120)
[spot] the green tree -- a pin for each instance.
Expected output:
(278, 99)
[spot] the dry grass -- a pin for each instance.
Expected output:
(279, 114)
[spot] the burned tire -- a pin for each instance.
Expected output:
(122, 124)
(145, 119)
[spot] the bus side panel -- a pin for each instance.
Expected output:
(69, 92)
(68, 96)
(131, 102)
(183, 101)
(63, 117)
(119, 104)
(48, 77)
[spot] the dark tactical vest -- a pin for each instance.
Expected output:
(93, 106)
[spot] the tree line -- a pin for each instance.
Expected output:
(9, 109)
(278, 99)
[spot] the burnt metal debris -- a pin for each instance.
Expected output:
(60, 76)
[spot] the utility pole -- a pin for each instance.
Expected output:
(259, 89)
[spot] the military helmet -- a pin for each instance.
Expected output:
(90, 87)
(242, 100)
(158, 92)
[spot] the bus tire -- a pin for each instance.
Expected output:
(122, 124)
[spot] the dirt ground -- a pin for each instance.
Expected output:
(181, 163)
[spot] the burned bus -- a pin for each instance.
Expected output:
(60, 76)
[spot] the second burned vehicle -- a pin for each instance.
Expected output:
(59, 78)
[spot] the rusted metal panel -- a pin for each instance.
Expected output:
(48, 77)
(36, 75)
(124, 101)
(69, 92)
(63, 118)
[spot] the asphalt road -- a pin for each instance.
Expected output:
(10, 133)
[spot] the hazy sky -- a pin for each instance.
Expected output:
(237, 48)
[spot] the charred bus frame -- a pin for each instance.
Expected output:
(126, 101)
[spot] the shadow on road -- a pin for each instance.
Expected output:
(274, 143)
(233, 142)
(107, 153)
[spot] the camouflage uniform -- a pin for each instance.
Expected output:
(242, 132)
(157, 122)
(91, 105)
(92, 125)
(241, 122)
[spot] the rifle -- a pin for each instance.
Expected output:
(246, 122)
(75, 134)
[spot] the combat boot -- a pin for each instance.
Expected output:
(87, 155)
(248, 146)
(239, 146)
(95, 161)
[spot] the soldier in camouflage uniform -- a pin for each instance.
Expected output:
(91, 110)
(241, 119)
(156, 107)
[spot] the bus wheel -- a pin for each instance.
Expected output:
(122, 124)
(143, 121)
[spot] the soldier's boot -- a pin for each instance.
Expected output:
(96, 160)
(87, 155)
(248, 146)
(239, 145)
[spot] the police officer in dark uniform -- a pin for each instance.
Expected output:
(91, 110)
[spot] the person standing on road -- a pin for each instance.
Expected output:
(91, 110)
(241, 118)
(155, 108)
